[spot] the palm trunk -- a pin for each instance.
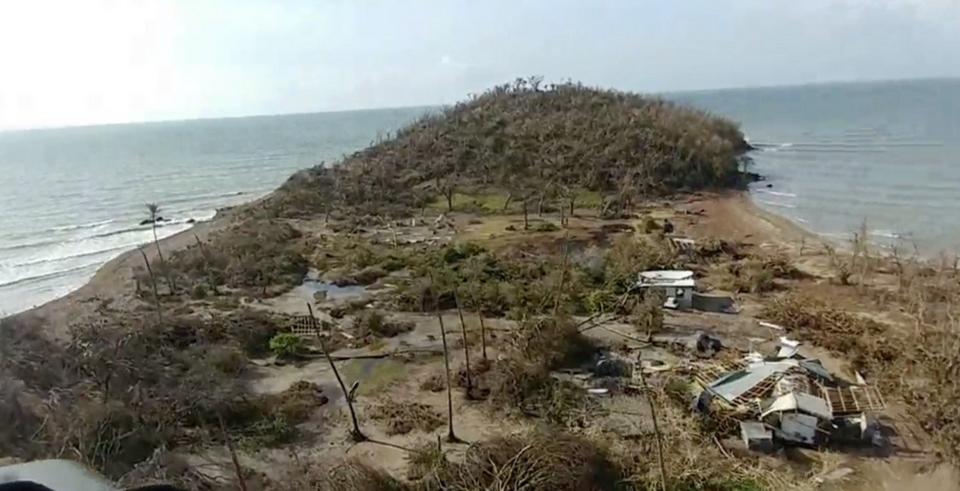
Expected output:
(466, 344)
(163, 263)
(155, 240)
(483, 335)
(506, 203)
(356, 434)
(153, 281)
(526, 219)
(451, 437)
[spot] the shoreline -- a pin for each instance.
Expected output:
(111, 285)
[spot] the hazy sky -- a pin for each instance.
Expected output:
(85, 62)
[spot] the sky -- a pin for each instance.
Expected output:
(79, 62)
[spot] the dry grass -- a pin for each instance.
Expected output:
(540, 460)
(691, 457)
(403, 417)
(344, 475)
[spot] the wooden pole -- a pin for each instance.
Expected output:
(356, 434)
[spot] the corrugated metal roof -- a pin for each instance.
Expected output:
(798, 401)
(735, 384)
(678, 278)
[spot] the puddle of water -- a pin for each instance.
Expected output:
(313, 284)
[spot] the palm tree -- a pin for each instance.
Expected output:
(154, 210)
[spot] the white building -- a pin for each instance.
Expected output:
(677, 286)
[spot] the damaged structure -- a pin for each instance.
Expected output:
(679, 289)
(676, 286)
(787, 398)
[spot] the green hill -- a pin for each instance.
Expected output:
(530, 141)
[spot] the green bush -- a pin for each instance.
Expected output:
(374, 323)
(286, 345)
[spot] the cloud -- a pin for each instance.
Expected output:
(113, 61)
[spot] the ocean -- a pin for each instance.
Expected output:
(835, 155)
(73, 198)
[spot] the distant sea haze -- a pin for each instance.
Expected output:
(835, 155)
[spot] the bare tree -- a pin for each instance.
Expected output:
(355, 433)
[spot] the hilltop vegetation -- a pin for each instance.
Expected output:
(533, 143)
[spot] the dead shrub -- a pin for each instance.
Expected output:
(530, 389)
(369, 275)
(425, 460)
(403, 417)
(345, 475)
(297, 403)
(252, 254)
(250, 329)
(630, 253)
(227, 359)
(867, 340)
(647, 315)
(108, 436)
(434, 382)
(20, 422)
(550, 342)
(373, 323)
(540, 460)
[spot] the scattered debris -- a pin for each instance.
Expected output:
(795, 398)
(770, 325)
(708, 345)
(756, 436)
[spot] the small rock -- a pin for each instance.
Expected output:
(191, 221)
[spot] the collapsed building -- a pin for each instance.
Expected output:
(788, 398)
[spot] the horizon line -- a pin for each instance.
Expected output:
(441, 104)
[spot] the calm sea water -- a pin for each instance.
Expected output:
(72, 199)
(836, 155)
